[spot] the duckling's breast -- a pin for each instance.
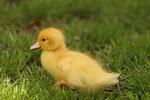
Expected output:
(49, 62)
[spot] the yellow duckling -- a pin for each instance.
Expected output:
(71, 68)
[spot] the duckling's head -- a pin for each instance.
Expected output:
(49, 39)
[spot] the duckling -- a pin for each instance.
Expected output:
(72, 69)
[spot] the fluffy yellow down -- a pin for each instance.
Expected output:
(73, 69)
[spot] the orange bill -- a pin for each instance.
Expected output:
(35, 46)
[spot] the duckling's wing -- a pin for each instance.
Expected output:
(64, 63)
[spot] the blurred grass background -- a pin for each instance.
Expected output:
(116, 31)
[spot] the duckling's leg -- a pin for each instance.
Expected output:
(64, 83)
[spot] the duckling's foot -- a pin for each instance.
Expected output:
(64, 83)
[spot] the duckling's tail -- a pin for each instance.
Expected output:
(107, 80)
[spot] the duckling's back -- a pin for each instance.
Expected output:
(87, 74)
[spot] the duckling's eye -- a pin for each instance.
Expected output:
(43, 39)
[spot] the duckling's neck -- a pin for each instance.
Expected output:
(59, 50)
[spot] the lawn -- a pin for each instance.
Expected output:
(111, 31)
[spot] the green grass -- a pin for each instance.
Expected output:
(115, 31)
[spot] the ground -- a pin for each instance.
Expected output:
(111, 31)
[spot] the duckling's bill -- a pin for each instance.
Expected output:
(35, 46)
